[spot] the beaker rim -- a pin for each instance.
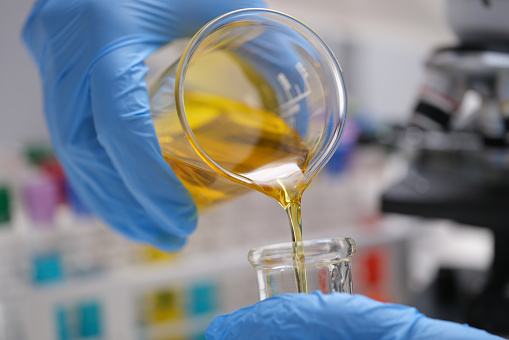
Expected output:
(324, 250)
(316, 41)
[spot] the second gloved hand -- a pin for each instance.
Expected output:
(90, 57)
(335, 316)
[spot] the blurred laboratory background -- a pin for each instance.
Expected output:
(424, 208)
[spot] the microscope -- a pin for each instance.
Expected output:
(460, 166)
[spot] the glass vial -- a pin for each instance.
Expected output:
(327, 265)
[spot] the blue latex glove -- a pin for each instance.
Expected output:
(90, 56)
(337, 317)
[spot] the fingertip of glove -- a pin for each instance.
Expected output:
(140, 229)
(169, 243)
(146, 234)
(214, 329)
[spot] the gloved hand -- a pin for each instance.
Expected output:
(90, 57)
(335, 316)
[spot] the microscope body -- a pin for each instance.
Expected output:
(479, 63)
(460, 169)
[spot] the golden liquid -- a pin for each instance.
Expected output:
(254, 143)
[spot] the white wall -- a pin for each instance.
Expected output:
(380, 44)
(21, 116)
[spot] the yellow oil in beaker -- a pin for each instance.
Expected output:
(253, 142)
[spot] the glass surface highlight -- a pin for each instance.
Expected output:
(327, 265)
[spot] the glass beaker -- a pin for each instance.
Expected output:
(327, 265)
(257, 98)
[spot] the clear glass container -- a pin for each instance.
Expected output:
(327, 265)
(257, 99)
